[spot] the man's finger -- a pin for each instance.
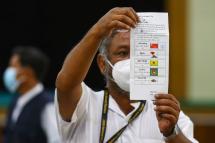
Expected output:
(169, 117)
(127, 11)
(167, 96)
(125, 19)
(167, 102)
(119, 25)
(167, 110)
(135, 13)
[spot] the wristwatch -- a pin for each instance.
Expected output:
(175, 132)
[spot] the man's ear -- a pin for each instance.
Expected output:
(101, 63)
(26, 73)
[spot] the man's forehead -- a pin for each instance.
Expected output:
(120, 40)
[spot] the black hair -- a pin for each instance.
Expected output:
(32, 57)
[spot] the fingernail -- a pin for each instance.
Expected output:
(128, 27)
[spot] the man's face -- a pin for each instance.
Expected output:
(119, 48)
(22, 72)
(12, 74)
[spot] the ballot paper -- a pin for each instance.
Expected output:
(149, 56)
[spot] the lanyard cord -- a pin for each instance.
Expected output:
(104, 116)
(104, 119)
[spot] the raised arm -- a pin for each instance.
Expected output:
(79, 59)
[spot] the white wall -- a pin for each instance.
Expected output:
(201, 50)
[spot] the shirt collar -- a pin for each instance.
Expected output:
(25, 98)
(115, 107)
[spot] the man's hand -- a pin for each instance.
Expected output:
(167, 111)
(116, 18)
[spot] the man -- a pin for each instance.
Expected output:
(31, 115)
(86, 116)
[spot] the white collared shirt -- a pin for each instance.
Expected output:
(48, 115)
(85, 122)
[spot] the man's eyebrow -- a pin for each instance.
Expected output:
(123, 47)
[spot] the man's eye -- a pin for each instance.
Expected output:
(123, 53)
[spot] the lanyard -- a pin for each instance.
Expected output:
(104, 119)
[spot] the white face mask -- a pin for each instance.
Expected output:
(121, 74)
(10, 81)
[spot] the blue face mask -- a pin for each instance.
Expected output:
(10, 81)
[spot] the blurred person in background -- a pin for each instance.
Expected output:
(86, 116)
(31, 115)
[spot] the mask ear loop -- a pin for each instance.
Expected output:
(107, 61)
(111, 65)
